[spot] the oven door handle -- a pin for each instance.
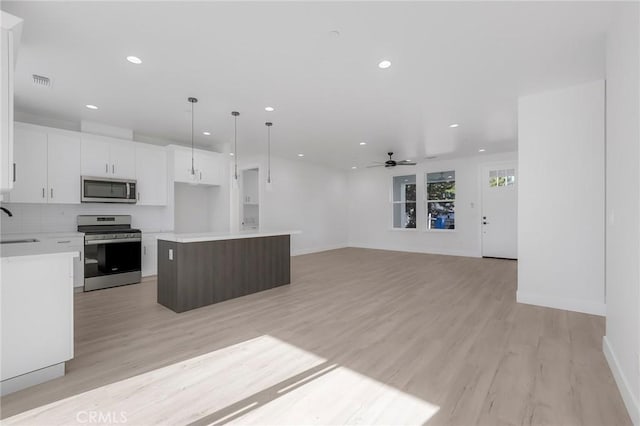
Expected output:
(128, 190)
(114, 241)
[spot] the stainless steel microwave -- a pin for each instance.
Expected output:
(106, 190)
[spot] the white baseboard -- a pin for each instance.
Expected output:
(575, 305)
(317, 249)
(630, 401)
(33, 378)
(461, 253)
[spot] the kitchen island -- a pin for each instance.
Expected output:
(200, 269)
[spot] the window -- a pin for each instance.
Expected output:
(441, 197)
(404, 201)
(499, 178)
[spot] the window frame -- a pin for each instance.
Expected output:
(403, 202)
(427, 200)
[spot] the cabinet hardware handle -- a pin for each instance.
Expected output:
(51, 192)
(43, 193)
(113, 169)
(64, 242)
(14, 172)
(106, 167)
(200, 175)
(138, 195)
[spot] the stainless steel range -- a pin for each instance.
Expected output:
(111, 251)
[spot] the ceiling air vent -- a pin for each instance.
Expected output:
(41, 81)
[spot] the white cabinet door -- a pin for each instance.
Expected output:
(6, 111)
(182, 165)
(149, 256)
(123, 161)
(151, 175)
(94, 156)
(30, 156)
(209, 165)
(63, 168)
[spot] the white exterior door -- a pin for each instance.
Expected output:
(63, 168)
(500, 210)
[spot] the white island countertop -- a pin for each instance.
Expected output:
(197, 237)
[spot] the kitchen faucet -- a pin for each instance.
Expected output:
(7, 211)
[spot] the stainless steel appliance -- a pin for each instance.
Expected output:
(111, 251)
(106, 190)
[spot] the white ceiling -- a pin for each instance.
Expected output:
(452, 62)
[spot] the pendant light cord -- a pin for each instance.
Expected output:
(268, 124)
(193, 169)
(235, 143)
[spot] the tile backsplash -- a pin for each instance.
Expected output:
(37, 218)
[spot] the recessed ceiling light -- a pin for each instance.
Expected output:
(384, 64)
(353, 167)
(134, 60)
(363, 143)
(206, 133)
(481, 150)
(300, 155)
(270, 109)
(91, 106)
(231, 154)
(454, 125)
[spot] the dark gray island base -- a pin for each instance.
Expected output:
(201, 273)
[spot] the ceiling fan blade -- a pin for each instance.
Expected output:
(405, 163)
(375, 165)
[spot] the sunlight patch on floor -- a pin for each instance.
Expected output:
(260, 381)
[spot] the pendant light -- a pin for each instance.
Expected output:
(192, 172)
(268, 124)
(235, 115)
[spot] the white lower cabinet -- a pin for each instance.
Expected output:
(149, 256)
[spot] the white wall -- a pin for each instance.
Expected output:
(561, 199)
(622, 340)
(370, 215)
(305, 197)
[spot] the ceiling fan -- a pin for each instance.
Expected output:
(392, 163)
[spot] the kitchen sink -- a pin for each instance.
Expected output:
(25, 240)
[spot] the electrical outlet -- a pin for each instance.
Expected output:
(170, 254)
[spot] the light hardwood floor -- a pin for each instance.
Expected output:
(360, 336)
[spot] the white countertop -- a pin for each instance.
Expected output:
(219, 236)
(49, 242)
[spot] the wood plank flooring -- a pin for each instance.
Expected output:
(359, 337)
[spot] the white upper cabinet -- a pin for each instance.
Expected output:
(30, 156)
(209, 166)
(107, 157)
(151, 174)
(11, 29)
(63, 168)
(123, 159)
(47, 166)
(95, 157)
